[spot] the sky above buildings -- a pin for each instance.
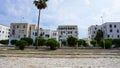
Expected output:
(83, 13)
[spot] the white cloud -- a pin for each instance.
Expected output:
(87, 2)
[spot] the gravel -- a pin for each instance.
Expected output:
(24, 62)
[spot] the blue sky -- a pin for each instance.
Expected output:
(83, 13)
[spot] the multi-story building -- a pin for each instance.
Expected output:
(4, 32)
(92, 31)
(65, 31)
(45, 33)
(21, 30)
(111, 30)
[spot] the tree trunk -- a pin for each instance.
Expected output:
(38, 29)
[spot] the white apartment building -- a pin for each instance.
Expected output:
(111, 30)
(4, 32)
(46, 34)
(65, 31)
(21, 30)
(92, 31)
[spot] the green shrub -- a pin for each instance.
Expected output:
(28, 40)
(21, 44)
(13, 42)
(72, 41)
(64, 43)
(116, 42)
(106, 43)
(52, 43)
(4, 42)
(41, 41)
(93, 42)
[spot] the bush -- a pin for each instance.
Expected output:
(116, 42)
(93, 42)
(52, 43)
(21, 44)
(28, 40)
(106, 43)
(64, 43)
(72, 41)
(41, 41)
(13, 42)
(4, 42)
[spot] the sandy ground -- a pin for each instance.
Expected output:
(22, 62)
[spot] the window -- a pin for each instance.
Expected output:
(114, 26)
(108, 36)
(118, 36)
(24, 36)
(110, 26)
(0, 31)
(24, 26)
(95, 28)
(94, 32)
(117, 31)
(110, 30)
(17, 26)
(33, 33)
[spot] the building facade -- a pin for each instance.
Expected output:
(45, 33)
(111, 30)
(21, 30)
(65, 31)
(92, 31)
(4, 32)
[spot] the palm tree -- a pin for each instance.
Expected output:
(40, 4)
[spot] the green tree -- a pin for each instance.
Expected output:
(106, 43)
(13, 42)
(71, 41)
(80, 42)
(28, 40)
(4, 42)
(116, 42)
(93, 42)
(21, 44)
(64, 43)
(52, 43)
(41, 41)
(40, 4)
(99, 35)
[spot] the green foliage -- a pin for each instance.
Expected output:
(72, 41)
(13, 42)
(64, 43)
(93, 42)
(21, 44)
(28, 40)
(116, 42)
(41, 4)
(41, 41)
(82, 42)
(106, 43)
(52, 43)
(4, 42)
(99, 35)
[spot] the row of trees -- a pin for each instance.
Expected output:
(52, 43)
(107, 43)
